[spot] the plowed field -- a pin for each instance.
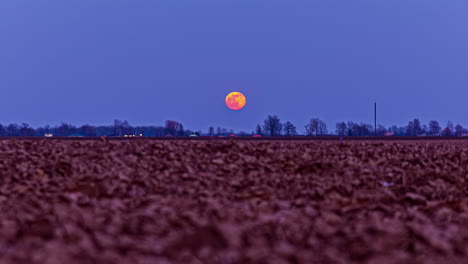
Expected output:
(233, 201)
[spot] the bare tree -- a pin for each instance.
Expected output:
(64, 130)
(458, 130)
(181, 132)
(416, 127)
(289, 129)
(351, 128)
(398, 131)
(316, 127)
(341, 128)
(360, 130)
(312, 127)
(322, 128)
(448, 130)
(87, 130)
(413, 128)
(272, 126)
(171, 127)
(434, 128)
(26, 131)
(12, 130)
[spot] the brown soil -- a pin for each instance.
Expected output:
(233, 202)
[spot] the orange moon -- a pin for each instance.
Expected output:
(235, 101)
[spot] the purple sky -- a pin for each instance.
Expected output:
(89, 61)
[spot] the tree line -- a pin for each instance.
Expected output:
(271, 126)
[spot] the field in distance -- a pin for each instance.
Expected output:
(233, 201)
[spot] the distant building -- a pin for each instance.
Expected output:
(389, 133)
(48, 135)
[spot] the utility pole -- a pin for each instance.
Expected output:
(375, 117)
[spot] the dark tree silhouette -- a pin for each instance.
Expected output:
(381, 130)
(258, 130)
(12, 130)
(448, 130)
(316, 127)
(289, 129)
(181, 132)
(87, 130)
(172, 127)
(26, 131)
(458, 130)
(272, 126)
(359, 130)
(122, 128)
(341, 128)
(64, 130)
(434, 128)
(413, 128)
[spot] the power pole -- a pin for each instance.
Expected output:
(375, 118)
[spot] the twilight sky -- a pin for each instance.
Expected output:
(93, 61)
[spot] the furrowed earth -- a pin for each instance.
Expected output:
(231, 201)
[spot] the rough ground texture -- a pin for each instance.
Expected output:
(233, 202)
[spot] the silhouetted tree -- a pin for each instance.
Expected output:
(122, 128)
(355, 129)
(448, 130)
(87, 130)
(398, 131)
(289, 129)
(341, 128)
(12, 130)
(64, 130)
(381, 130)
(26, 131)
(181, 132)
(413, 128)
(434, 128)
(322, 128)
(458, 130)
(272, 126)
(351, 128)
(258, 130)
(316, 127)
(118, 128)
(425, 130)
(2, 131)
(172, 127)
(410, 129)
(416, 127)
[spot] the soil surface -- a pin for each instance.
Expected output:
(147, 201)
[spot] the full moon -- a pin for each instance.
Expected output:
(235, 101)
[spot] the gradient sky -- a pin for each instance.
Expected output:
(93, 61)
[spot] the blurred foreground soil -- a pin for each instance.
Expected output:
(226, 202)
